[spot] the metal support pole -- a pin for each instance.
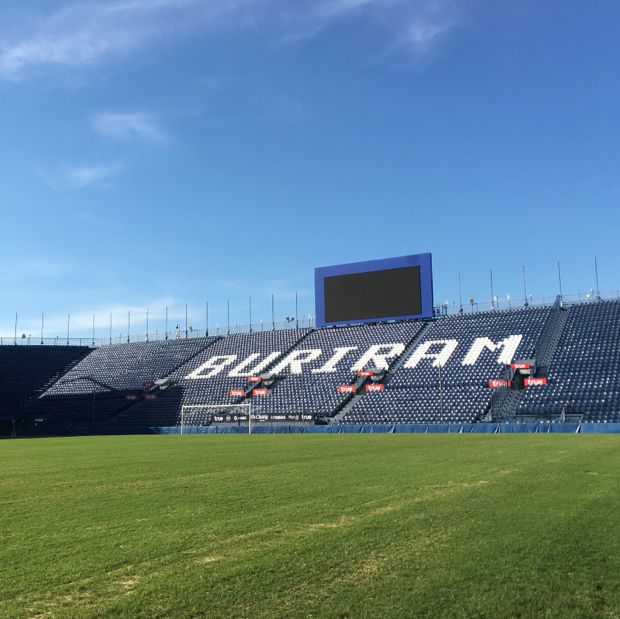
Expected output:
(598, 290)
(440, 394)
(186, 321)
(560, 282)
(273, 314)
(460, 296)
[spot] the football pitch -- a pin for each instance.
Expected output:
(311, 526)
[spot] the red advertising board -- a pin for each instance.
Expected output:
(498, 383)
(254, 379)
(374, 388)
(364, 373)
(346, 388)
(236, 393)
(532, 382)
(521, 366)
(262, 391)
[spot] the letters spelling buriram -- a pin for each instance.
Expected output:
(379, 356)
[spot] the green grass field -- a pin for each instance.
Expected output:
(308, 525)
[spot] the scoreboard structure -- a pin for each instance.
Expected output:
(374, 291)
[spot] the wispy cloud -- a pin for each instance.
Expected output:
(328, 9)
(88, 32)
(416, 25)
(32, 269)
(125, 126)
(81, 321)
(428, 26)
(76, 177)
(83, 33)
(79, 177)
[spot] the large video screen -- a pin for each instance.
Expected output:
(374, 291)
(364, 296)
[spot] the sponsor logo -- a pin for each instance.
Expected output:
(533, 382)
(374, 388)
(498, 383)
(346, 389)
(236, 393)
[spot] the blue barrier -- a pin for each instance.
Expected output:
(603, 428)
(406, 428)
(484, 428)
(399, 428)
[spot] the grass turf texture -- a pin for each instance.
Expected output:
(322, 526)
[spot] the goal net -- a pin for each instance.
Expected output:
(193, 415)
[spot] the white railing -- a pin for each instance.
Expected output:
(95, 339)
(503, 303)
(155, 335)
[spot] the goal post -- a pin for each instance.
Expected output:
(188, 411)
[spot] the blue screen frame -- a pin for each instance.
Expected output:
(424, 261)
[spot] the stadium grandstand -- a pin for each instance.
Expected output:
(555, 367)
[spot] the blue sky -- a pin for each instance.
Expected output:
(161, 152)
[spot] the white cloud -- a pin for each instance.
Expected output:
(32, 269)
(415, 25)
(427, 27)
(88, 32)
(128, 125)
(75, 177)
(81, 321)
(84, 33)
(79, 177)
(329, 9)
